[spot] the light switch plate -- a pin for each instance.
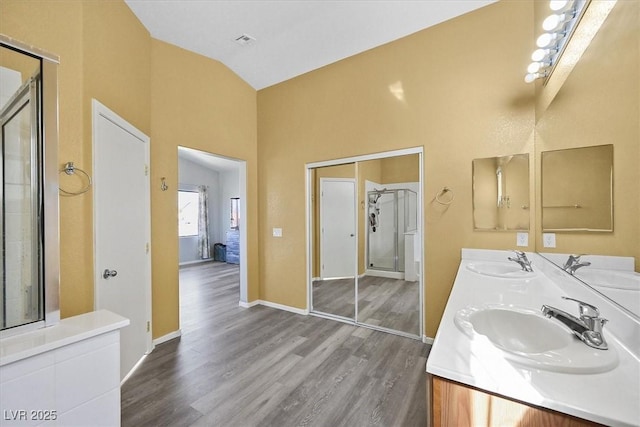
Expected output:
(549, 240)
(277, 232)
(522, 239)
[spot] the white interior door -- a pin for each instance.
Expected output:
(337, 228)
(122, 230)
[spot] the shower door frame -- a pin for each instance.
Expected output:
(49, 196)
(310, 243)
(396, 236)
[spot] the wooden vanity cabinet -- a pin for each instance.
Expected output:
(455, 404)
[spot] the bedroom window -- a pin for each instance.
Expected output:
(235, 214)
(188, 213)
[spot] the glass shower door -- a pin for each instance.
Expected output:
(21, 194)
(383, 233)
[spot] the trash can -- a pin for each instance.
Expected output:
(220, 252)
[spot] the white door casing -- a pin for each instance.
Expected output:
(122, 227)
(337, 228)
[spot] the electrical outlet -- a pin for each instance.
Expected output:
(522, 239)
(549, 240)
(277, 232)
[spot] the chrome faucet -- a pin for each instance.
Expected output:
(522, 260)
(588, 327)
(574, 263)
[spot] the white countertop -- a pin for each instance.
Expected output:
(67, 331)
(609, 398)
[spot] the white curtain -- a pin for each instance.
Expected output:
(203, 223)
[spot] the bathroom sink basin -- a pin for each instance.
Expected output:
(627, 280)
(526, 337)
(505, 270)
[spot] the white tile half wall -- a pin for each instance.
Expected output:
(67, 374)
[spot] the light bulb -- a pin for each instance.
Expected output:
(545, 40)
(534, 67)
(539, 54)
(530, 77)
(552, 22)
(557, 4)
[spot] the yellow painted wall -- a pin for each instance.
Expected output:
(400, 169)
(456, 89)
(599, 103)
(196, 103)
(23, 64)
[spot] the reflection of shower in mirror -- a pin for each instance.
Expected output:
(392, 213)
(374, 208)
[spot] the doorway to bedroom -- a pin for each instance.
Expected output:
(211, 209)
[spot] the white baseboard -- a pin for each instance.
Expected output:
(248, 304)
(398, 275)
(198, 261)
(168, 337)
(270, 304)
(296, 310)
(427, 340)
(138, 363)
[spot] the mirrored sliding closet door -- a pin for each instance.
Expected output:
(365, 241)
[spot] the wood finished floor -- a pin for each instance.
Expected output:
(390, 303)
(261, 366)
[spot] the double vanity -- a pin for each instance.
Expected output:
(518, 343)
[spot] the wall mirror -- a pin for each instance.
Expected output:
(28, 117)
(501, 193)
(366, 241)
(614, 278)
(577, 189)
(598, 102)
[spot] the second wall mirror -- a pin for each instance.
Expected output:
(577, 189)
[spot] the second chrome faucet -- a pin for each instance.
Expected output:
(521, 258)
(574, 263)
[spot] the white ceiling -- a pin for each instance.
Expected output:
(292, 37)
(208, 160)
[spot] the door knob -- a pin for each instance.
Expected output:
(109, 273)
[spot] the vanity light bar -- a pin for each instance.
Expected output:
(558, 28)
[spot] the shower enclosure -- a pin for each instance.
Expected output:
(391, 218)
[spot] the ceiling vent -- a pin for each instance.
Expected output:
(245, 40)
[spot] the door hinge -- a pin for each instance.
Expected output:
(148, 326)
(146, 170)
(146, 248)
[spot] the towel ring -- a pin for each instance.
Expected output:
(70, 169)
(442, 192)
